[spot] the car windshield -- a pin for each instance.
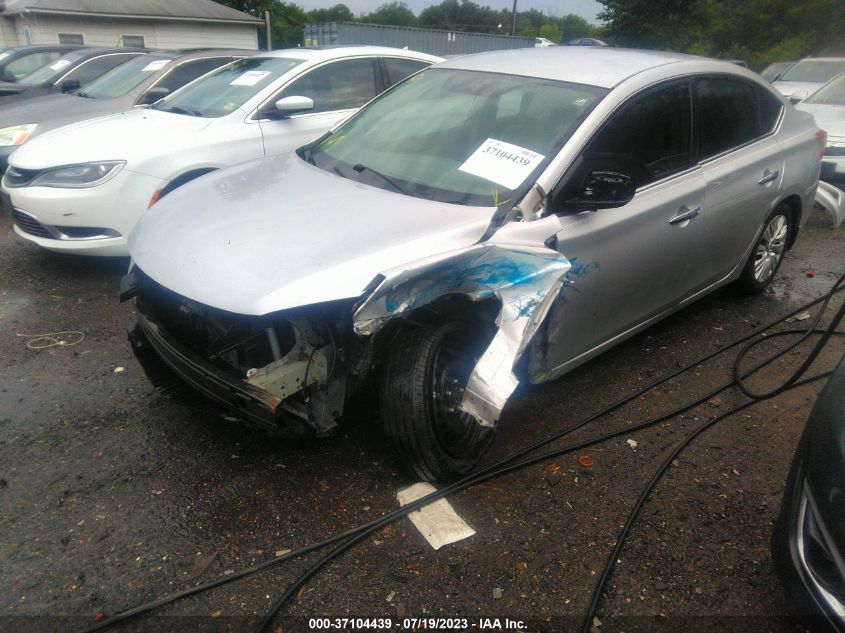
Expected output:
(121, 79)
(227, 88)
(47, 75)
(815, 71)
(772, 71)
(457, 136)
(832, 93)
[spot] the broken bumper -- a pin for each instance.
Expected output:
(149, 340)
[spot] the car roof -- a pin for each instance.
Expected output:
(321, 54)
(600, 66)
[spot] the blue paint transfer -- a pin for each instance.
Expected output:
(481, 275)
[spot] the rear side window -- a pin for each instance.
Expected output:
(397, 68)
(342, 85)
(649, 139)
(732, 112)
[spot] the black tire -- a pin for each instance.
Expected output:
(767, 255)
(422, 384)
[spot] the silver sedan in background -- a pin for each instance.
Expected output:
(496, 218)
(827, 105)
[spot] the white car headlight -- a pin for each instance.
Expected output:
(76, 176)
(16, 134)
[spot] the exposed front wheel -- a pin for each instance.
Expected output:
(422, 385)
(768, 254)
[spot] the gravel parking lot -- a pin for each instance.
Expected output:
(109, 493)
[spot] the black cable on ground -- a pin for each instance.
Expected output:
(790, 383)
(486, 476)
(497, 469)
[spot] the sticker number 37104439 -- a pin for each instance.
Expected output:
(503, 163)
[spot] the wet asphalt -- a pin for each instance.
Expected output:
(110, 495)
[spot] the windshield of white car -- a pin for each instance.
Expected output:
(814, 71)
(47, 75)
(121, 79)
(227, 88)
(832, 93)
(457, 136)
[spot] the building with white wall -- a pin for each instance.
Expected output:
(168, 24)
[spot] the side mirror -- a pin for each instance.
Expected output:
(607, 189)
(70, 84)
(153, 94)
(293, 105)
(799, 95)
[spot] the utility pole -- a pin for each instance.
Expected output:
(513, 24)
(267, 26)
(539, 24)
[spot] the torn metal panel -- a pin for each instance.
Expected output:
(525, 278)
(831, 200)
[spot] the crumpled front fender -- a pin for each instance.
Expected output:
(525, 278)
(831, 200)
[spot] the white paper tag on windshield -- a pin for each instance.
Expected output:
(60, 64)
(156, 65)
(4, 55)
(249, 78)
(502, 163)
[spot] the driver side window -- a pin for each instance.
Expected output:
(647, 140)
(342, 85)
(650, 139)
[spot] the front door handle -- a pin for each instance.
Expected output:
(685, 214)
(768, 176)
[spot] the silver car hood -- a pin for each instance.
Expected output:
(278, 233)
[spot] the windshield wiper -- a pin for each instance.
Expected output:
(177, 110)
(84, 95)
(395, 185)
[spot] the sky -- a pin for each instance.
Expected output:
(585, 8)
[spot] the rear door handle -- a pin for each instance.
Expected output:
(685, 214)
(768, 176)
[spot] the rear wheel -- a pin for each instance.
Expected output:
(422, 385)
(768, 254)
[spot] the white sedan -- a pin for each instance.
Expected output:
(82, 188)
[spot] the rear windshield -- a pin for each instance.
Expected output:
(814, 71)
(227, 88)
(121, 79)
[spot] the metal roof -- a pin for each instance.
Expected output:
(203, 10)
(595, 66)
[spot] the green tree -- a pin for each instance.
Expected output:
(394, 13)
(758, 31)
(337, 13)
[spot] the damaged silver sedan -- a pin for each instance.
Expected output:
(501, 217)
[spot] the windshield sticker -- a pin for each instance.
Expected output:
(505, 164)
(156, 65)
(60, 64)
(4, 55)
(249, 78)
